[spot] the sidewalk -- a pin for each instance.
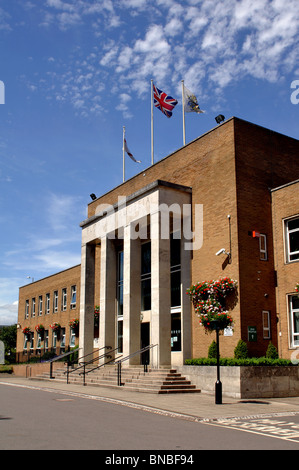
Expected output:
(197, 406)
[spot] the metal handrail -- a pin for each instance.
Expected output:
(57, 358)
(120, 361)
(101, 356)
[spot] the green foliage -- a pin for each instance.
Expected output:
(228, 361)
(241, 351)
(272, 352)
(6, 369)
(212, 353)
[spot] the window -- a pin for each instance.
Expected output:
(73, 296)
(292, 240)
(263, 247)
(32, 341)
(294, 320)
(72, 337)
(146, 276)
(55, 301)
(62, 338)
(25, 341)
(39, 341)
(120, 282)
(120, 299)
(54, 339)
(26, 309)
(33, 307)
(46, 339)
(64, 299)
(176, 332)
(40, 305)
(175, 270)
(266, 324)
(47, 304)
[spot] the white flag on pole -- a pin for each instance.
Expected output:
(129, 153)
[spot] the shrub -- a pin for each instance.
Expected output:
(241, 351)
(228, 361)
(272, 352)
(212, 353)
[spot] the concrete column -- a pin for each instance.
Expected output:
(86, 330)
(160, 281)
(132, 297)
(107, 294)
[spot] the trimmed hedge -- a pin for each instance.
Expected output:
(227, 361)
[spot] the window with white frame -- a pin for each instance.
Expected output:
(33, 307)
(32, 341)
(55, 301)
(26, 309)
(72, 337)
(266, 324)
(263, 247)
(64, 299)
(73, 296)
(39, 341)
(40, 305)
(292, 239)
(62, 338)
(294, 320)
(46, 339)
(47, 304)
(54, 339)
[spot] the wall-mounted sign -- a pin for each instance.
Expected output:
(252, 334)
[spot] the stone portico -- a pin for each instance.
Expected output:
(138, 285)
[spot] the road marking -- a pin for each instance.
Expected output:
(288, 431)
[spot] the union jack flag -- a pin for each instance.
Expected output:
(164, 102)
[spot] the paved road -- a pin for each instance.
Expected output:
(41, 419)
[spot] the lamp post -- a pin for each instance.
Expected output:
(218, 384)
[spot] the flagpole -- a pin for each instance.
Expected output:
(124, 132)
(183, 101)
(152, 121)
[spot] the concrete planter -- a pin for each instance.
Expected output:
(246, 381)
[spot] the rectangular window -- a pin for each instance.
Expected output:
(292, 240)
(120, 335)
(62, 338)
(176, 332)
(146, 276)
(40, 305)
(33, 307)
(263, 247)
(120, 283)
(47, 304)
(39, 341)
(46, 339)
(26, 309)
(266, 324)
(73, 296)
(54, 339)
(64, 299)
(175, 270)
(72, 337)
(55, 301)
(32, 341)
(294, 320)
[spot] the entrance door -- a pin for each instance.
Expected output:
(145, 341)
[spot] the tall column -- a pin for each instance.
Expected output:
(132, 296)
(160, 280)
(86, 330)
(107, 293)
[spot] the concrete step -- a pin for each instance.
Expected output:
(133, 379)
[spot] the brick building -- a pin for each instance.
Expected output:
(147, 240)
(52, 302)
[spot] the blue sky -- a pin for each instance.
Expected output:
(77, 71)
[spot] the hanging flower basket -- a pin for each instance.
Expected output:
(74, 324)
(297, 288)
(40, 328)
(55, 326)
(212, 300)
(26, 330)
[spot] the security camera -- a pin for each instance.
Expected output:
(220, 252)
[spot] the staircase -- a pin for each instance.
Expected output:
(160, 381)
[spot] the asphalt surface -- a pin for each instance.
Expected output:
(38, 414)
